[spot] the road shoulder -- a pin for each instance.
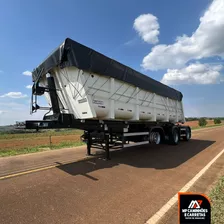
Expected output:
(15, 164)
(203, 185)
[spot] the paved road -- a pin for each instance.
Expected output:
(128, 189)
(20, 163)
(203, 185)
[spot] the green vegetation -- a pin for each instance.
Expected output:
(217, 201)
(39, 148)
(210, 126)
(21, 141)
(43, 133)
(202, 122)
(207, 118)
(217, 121)
(191, 118)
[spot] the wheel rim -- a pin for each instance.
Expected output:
(175, 137)
(157, 138)
(187, 135)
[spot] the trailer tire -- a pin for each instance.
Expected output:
(188, 135)
(174, 137)
(155, 137)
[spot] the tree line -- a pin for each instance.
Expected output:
(206, 118)
(202, 121)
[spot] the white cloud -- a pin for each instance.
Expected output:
(29, 87)
(1, 112)
(147, 27)
(194, 74)
(27, 73)
(20, 112)
(15, 95)
(206, 41)
(14, 111)
(130, 42)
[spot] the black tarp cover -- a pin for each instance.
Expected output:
(71, 53)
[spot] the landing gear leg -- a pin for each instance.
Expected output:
(89, 141)
(107, 147)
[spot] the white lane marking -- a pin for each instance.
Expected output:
(159, 214)
(34, 170)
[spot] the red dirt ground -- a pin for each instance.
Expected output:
(29, 142)
(194, 124)
(6, 144)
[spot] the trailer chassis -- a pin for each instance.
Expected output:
(107, 135)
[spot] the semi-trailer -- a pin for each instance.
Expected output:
(115, 105)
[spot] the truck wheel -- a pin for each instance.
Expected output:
(188, 135)
(174, 137)
(155, 138)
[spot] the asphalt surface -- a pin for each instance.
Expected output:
(204, 185)
(130, 188)
(20, 163)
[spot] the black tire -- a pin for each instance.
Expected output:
(174, 137)
(155, 137)
(188, 135)
(158, 138)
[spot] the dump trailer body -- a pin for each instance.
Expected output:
(114, 104)
(93, 86)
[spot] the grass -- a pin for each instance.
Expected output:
(209, 126)
(217, 202)
(39, 148)
(4, 137)
(43, 133)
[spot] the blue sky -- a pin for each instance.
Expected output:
(30, 30)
